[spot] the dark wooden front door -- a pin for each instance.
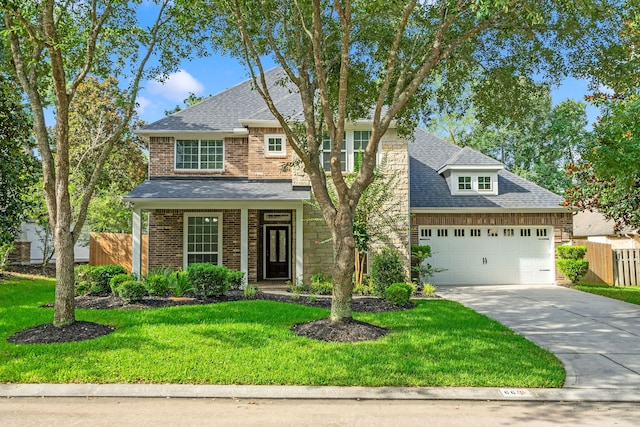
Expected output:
(277, 253)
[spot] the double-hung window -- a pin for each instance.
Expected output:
(199, 154)
(353, 145)
(326, 153)
(202, 238)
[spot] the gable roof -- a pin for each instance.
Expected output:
(428, 189)
(224, 111)
(467, 156)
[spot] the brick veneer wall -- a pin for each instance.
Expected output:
(162, 162)
(166, 238)
(317, 251)
(559, 221)
(261, 166)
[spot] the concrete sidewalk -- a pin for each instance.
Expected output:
(597, 338)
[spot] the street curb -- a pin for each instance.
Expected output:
(319, 392)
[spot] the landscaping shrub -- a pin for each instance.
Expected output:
(386, 269)
(322, 288)
(131, 291)
(250, 291)
(101, 276)
(117, 280)
(236, 279)
(397, 293)
(156, 284)
(208, 280)
(570, 262)
(428, 289)
(181, 285)
(83, 278)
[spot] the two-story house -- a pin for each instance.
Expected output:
(217, 192)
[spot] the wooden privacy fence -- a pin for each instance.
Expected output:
(115, 248)
(627, 267)
(619, 267)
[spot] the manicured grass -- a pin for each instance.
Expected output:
(629, 294)
(439, 343)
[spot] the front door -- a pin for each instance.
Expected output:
(277, 254)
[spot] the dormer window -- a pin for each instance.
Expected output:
(484, 183)
(464, 183)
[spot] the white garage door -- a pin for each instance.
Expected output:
(490, 255)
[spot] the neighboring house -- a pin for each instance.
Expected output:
(30, 246)
(594, 227)
(217, 193)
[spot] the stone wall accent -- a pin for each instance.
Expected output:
(317, 244)
(21, 253)
(562, 223)
(162, 158)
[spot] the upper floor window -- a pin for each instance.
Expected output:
(274, 145)
(484, 183)
(353, 145)
(464, 183)
(199, 154)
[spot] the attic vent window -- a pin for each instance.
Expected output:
(464, 183)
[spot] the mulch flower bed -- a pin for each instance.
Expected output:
(323, 329)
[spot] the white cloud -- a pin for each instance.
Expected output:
(176, 87)
(143, 104)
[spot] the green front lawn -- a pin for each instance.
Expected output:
(439, 343)
(629, 294)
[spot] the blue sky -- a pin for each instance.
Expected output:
(216, 73)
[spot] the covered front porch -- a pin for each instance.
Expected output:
(253, 227)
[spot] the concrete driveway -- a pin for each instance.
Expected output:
(597, 338)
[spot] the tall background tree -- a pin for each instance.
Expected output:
(17, 163)
(607, 176)
(55, 46)
(382, 60)
(531, 137)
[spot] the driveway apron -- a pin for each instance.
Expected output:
(596, 338)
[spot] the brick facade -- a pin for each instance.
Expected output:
(562, 224)
(162, 158)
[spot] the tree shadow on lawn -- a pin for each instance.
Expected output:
(322, 329)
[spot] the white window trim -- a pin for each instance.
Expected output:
(175, 155)
(349, 151)
(491, 181)
(185, 231)
(281, 153)
(475, 176)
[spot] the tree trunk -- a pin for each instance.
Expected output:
(64, 306)
(344, 251)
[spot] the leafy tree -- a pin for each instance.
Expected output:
(350, 60)
(192, 99)
(55, 46)
(535, 142)
(17, 164)
(607, 178)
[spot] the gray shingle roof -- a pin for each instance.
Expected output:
(215, 189)
(429, 190)
(469, 156)
(223, 111)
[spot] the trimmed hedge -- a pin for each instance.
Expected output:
(119, 279)
(208, 280)
(156, 284)
(398, 293)
(570, 262)
(386, 269)
(131, 291)
(95, 279)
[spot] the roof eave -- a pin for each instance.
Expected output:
(554, 209)
(494, 168)
(213, 204)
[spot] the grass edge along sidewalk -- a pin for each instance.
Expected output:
(439, 343)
